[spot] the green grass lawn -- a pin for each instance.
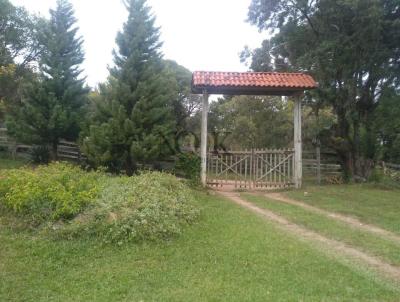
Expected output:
(365, 202)
(7, 163)
(331, 228)
(230, 255)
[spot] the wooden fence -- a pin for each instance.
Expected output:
(319, 166)
(65, 150)
(390, 166)
(70, 151)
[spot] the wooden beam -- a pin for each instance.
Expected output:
(262, 91)
(203, 149)
(298, 172)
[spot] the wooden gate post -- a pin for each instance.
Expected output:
(298, 169)
(203, 149)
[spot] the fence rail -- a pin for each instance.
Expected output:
(65, 150)
(315, 165)
(392, 166)
(326, 168)
(254, 169)
(320, 165)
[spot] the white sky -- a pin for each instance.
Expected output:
(198, 34)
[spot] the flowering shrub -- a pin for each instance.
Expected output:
(48, 193)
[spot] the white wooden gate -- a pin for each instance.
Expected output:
(251, 169)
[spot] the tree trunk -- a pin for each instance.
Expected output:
(345, 147)
(54, 151)
(130, 166)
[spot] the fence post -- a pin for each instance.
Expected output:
(204, 130)
(318, 150)
(298, 172)
(251, 182)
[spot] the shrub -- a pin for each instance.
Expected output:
(188, 165)
(48, 193)
(388, 181)
(148, 207)
(377, 176)
(40, 154)
(68, 202)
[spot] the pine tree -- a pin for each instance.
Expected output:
(52, 107)
(133, 120)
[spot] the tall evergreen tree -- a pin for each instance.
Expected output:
(51, 108)
(133, 120)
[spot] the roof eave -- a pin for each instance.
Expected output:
(237, 90)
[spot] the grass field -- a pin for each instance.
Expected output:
(364, 240)
(365, 202)
(7, 163)
(230, 255)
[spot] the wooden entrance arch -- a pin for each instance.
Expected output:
(292, 85)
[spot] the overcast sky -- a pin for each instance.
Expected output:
(198, 34)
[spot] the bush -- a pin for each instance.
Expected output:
(147, 207)
(67, 202)
(40, 154)
(48, 193)
(377, 176)
(188, 165)
(388, 181)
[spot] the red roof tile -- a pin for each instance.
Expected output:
(273, 81)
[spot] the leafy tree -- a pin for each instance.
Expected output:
(52, 106)
(219, 126)
(351, 48)
(133, 120)
(18, 38)
(18, 48)
(251, 122)
(387, 127)
(186, 104)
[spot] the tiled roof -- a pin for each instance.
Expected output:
(252, 80)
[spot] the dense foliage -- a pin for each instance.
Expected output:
(251, 122)
(185, 105)
(67, 202)
(148, 207)
(18, 49)
(145, 112)
(245, 122)
(351, 48)
(386, 127)
(52, 105)
(188, 165)
(47, 193)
